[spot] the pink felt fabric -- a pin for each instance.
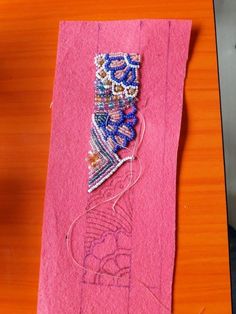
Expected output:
(64, 287)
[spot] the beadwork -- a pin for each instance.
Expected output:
(114, 117)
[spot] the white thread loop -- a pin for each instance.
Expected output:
(115, 197)
(134, 156)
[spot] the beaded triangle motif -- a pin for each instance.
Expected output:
(114, 117)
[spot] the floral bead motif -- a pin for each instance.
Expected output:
(120, 72)
(117, 127)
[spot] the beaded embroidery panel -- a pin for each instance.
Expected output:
(114, 117)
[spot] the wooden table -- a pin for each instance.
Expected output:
(28, 42)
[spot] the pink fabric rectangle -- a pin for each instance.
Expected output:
(64, 286)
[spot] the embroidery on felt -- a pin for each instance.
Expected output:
(114, 117)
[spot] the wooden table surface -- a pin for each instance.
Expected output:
(28, 43)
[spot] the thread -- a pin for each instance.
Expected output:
(70, 230)
(130, 185)
(117, 197)
(108, 199)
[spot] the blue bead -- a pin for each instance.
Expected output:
(111, 105)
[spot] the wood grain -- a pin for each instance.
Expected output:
(28, 42)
